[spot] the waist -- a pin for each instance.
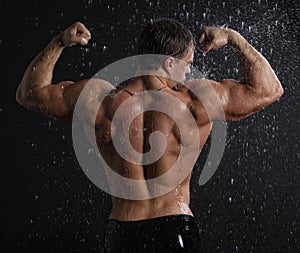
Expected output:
(161, 219)
(130, 210)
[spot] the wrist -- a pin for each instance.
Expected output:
(234, 38)
(57, 40)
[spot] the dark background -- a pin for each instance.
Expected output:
(251, 204)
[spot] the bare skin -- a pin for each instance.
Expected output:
(260, 87)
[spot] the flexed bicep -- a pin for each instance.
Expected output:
(239, 100)
(227, 100)
(57, 100)
(36, 91)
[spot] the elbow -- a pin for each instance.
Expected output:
(18, 96)
(272, 95)
(275, 95)
(279, 92)
(22, 97)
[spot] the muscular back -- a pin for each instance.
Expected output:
(260, 87)
(132, 123)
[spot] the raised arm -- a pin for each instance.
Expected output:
(36, 91)
(260, 86)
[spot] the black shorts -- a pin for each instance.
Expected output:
(175, 233)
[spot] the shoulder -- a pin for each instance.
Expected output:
(198, 89)
(203, 96)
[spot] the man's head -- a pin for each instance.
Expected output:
(166, 37)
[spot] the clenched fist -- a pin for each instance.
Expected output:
(75, 34)
(213, 38)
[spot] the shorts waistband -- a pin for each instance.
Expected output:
(167, 218)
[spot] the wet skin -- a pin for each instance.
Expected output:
(177, 200)
(260, 87)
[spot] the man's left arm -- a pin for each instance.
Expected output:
(36, 91)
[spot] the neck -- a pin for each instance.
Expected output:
(155, 79)
(152, 82)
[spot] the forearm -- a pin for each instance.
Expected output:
(257, 72)
(40, 71)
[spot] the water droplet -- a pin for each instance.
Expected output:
(180, 241)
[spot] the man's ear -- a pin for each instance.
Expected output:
(169, 64)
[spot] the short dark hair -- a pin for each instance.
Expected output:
(165, 36)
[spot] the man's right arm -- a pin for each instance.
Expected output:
(260, 86)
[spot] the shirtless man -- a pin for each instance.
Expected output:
(163, 223)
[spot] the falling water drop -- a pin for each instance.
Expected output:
(116, 79)
(104, 48)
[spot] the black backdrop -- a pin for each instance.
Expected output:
(251, 204)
